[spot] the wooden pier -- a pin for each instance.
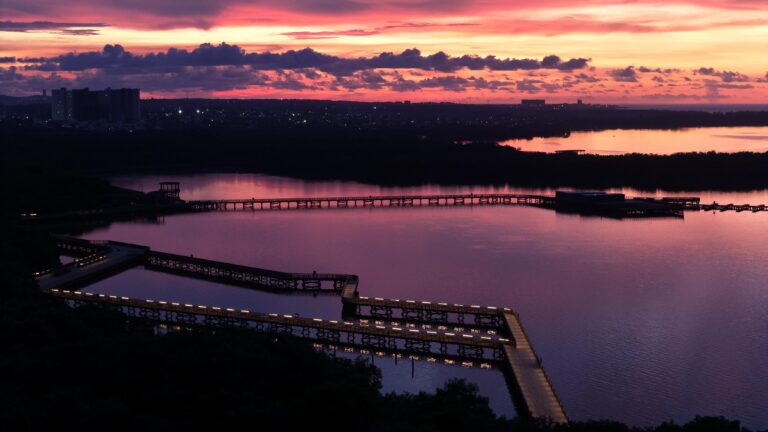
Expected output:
(469, 335)
(630, 208)
(249, 276)
(360, 333)
(634, 208)
(442, 200)
(424, 311)
(538, 393)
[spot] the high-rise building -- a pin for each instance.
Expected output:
(61, 104)
(112, 105)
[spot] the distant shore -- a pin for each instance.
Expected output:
(387, 159)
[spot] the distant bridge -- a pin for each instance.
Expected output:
(639, 207)
(441, 200)
(469, 335)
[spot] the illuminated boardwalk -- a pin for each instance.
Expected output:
(532, 381)
(100, 261)
(423, 311)
(468, 335)
(413, 340)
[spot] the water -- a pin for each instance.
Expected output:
(640, 321)
(719, 139)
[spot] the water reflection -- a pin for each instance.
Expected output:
(719, 139)
(640, 321)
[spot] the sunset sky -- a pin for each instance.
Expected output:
(612, 51)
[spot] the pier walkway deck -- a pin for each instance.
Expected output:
(440, 200)
(532, 381)
(101, 263)
(631, 208)
(493, 337)
(244, 275)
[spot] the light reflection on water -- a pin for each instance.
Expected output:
(719, 139)
(640, 321)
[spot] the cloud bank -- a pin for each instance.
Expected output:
(226, 70)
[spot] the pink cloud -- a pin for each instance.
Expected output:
(163, 14)
(229, 70)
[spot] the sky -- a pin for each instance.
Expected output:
(480, 51)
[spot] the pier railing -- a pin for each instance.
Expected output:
(419, 329)
(244, 275)
(470, 199)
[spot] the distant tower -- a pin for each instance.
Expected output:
(45, 92)
(170, 189)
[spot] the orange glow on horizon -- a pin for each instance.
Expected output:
(685, 36)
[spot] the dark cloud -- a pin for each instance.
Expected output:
(330, 34)
(588, 78)
(309, 35)
(404, 85)
(223, 67)
(528, 86)
(493, 85)
(450, 83)
(117, 59)
(16, 84)
(725, 76)
(71, 28)
(645, 69)
(367, 79)
(628, 74)
(79, 32)
(162, 14)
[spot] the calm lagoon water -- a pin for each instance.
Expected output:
(636, 320)
(719, 139)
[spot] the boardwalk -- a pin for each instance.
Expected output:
(249, 276)
(637, 207)
(531, 379)
(101, 263)
(469, 335)
(359, 332)
(372, 201)
(424, 311)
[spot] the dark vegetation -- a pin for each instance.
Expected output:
(394, 157)
(384, 143)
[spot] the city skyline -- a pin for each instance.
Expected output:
(601, 51)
